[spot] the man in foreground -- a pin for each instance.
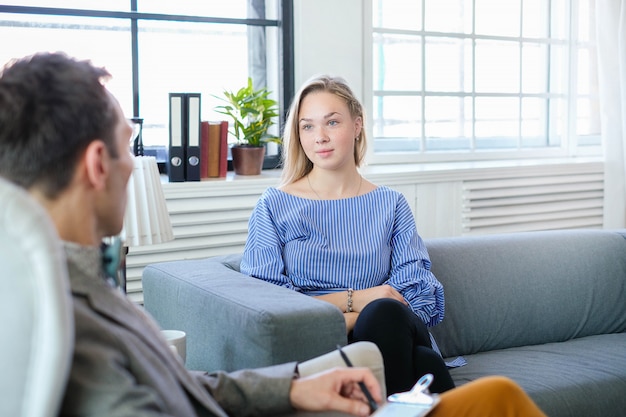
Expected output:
(63, 138)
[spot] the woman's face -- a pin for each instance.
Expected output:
(327, 130)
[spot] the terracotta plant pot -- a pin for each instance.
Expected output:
(248, 160)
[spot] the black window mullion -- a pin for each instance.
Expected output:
(134, 48)
(288, 53)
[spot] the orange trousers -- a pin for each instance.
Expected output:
(492, 396)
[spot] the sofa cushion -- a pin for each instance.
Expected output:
(530, 288)
(572, 378)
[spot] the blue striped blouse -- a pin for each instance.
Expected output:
(320, 246)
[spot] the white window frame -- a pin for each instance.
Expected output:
(567, 149)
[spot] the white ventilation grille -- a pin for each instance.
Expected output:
(532, 203)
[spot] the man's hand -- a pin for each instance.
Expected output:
(335, 390)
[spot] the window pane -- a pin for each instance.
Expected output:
(453, 16)
(558, 67)
(233, 9)
(116, 5)
(216, 8)
(449, 64)
(448, 123)
(587, 71)
(586, 22)
(397, 14)
(498, 17)
(587, 120)
(534, 122)
(534, 68)
(558, 121)
(204, 65)
(106, 42)
(397, 117)
(397, 61)
(535, 19)
(497, 122)
(497, 66)
(559, 24)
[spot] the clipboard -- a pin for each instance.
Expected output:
(417, 402)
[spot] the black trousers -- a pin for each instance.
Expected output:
(404, 342)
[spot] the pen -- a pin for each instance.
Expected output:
(370, 399)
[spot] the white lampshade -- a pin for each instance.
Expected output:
(147, 220)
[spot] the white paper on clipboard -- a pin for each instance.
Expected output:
(404, 410)
(415, 403)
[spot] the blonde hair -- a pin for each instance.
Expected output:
(295, 162)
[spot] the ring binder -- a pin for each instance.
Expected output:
(176, 155)
(192, 150)
(184, 137)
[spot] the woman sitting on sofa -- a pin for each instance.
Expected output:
(329, 233)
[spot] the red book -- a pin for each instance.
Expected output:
(214, 149)
(223, 162)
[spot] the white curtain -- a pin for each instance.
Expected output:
(611, 37)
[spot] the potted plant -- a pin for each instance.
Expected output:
(252, 113)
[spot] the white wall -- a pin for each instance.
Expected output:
(328, 38)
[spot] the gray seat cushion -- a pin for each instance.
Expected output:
(572, 378)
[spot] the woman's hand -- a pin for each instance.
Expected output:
(335, 390)
(361, 298)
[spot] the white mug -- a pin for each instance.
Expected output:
(177, 339)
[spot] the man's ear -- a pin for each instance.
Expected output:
(97, 164)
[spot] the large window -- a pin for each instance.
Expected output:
(154, 47)
(459, 79)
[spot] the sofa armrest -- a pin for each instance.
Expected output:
(234, 321)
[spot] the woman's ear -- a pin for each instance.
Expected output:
(358, 126)
(97, 164)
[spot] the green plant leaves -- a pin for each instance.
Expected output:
(252, 113)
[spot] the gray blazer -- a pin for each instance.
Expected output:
(123, 367)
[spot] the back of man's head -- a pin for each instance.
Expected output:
(51, 107)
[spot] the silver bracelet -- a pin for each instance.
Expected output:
(349, 305)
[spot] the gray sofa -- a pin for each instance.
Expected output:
(547, 309)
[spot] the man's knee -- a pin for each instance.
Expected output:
(503, 386)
